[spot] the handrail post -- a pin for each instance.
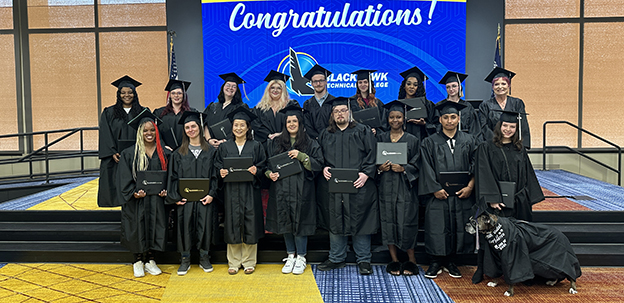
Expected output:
(544, 146)
(30, 164)
(81, 153)
(619, 166)
(47, 160)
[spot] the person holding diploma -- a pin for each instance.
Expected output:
(229, 99)
(115, 135)
(244, 220)
(143, 217)
(196, 220)
(291, 210)
(365, 98)
(447, 212)
(505, 159)
(177, 103)
(398, 194)
(413, 86)
(348, 145)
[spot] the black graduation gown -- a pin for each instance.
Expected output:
(292, 201)
(398, 197)
(196, 222)
(421, 132)
(267, 123)
(488, 118)
(143, 221)
(111, 130)
(349, 214)
(469, 120)
(445, 219)
(523, 250)
(315, 116)
(169, 122)
(216, 113)
(383, 112)
(491, 168)
(244, 219)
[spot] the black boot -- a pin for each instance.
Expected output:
(478, 275)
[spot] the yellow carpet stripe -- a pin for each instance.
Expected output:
(83, 197)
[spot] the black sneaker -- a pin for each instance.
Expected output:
(204, 263)
(185, 264)
(453, 271)
(433, 271)
(365, 268)
(329, 265)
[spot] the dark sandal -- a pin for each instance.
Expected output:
(409, 266)
(394, 267)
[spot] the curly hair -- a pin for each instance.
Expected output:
(265, 102)
(370, 99)
(420, 91)
(118, 110)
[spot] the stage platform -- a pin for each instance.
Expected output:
(58, 246)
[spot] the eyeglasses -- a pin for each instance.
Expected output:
(230, 85)
(318, 81)
(341, 111)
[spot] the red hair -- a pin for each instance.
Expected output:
(159, 149)
(169, 108)
(504, 78)
(370, 99)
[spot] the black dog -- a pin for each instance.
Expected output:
(519, 251)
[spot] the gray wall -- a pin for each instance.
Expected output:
(185, 18)
(482, 17)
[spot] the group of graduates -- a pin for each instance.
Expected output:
(323, 138)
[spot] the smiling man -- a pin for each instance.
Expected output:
(317, 109)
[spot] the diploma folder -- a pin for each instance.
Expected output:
(395, 152)
(342, 179)
(222, 129)
(368, 116)
(237, 169)
(152, 182)
(453, 181)
(284, 165)
(418, 110)
(193, 189)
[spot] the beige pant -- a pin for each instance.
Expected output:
(242, 254)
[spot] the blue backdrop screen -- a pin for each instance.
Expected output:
(253, 37)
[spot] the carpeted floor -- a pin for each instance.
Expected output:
(606, 196)
(596, 285)
(560, 204)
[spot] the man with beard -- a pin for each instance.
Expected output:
(317, 109)
(348, 145)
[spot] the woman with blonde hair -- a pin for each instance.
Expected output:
(143, 219)
(270, 121)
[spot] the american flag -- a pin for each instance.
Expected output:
(173, 68)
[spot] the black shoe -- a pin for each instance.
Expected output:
(433, 270)
(453, 271)
(204, 263)
(365, 268)
(477, 277)
(185, 264)
(329, 265)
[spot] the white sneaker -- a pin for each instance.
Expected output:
(138, 269)
(152, 268)
(300, 265)
(290, 263)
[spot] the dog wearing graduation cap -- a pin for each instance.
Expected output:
(519, 250)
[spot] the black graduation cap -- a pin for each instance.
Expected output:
(512, 117)
(191, 115)
(232, 77)
(316, 70)
(499, 72)
(174, 84)
(414, 72)
(339, 101)
(451, 76)
(364, 74)
(292, 108)
(126, 81)
(449, 107)
(144, 116)
(242, 113)
(275, 75)
(397, 105)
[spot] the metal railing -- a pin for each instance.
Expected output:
(619, 150)
(44, 154)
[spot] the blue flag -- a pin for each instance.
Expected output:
(497, 56)
(173, 68)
